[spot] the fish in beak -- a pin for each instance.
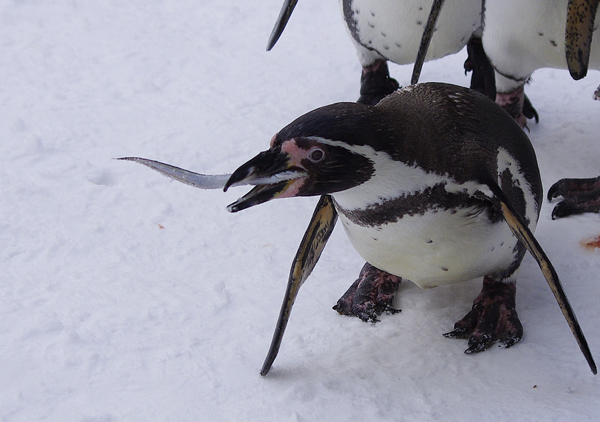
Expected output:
(274, 174)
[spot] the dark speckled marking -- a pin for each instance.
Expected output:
(553, 43)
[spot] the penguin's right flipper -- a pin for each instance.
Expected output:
(522, 232)
(319, 229)
(578, 35)
(284, 16)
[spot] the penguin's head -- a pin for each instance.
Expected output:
(314, 155)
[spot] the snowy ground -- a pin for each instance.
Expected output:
(125, 297)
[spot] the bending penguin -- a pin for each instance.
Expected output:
(436, 184)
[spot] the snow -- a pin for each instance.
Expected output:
(126, 297)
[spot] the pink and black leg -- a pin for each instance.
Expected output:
(376, 83)
(492, 319)
(370, 296)
(518, 106)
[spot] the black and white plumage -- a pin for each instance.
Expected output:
(435, 184)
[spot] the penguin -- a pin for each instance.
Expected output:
(436, 184)
(383, 31)
(521, 37)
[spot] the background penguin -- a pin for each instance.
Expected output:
(383, 31)
(435, 184)
(521, 37)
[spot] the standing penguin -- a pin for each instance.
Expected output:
(521, 37)
(435, 184)
(391, 30)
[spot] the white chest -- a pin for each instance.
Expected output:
(441, 247)
(394, 28)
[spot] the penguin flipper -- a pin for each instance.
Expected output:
(578, 35)
(284, 16)
(319, 229)
(436, 7)
(522, 232)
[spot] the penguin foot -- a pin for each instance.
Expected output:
(518, 106)
(579, 196)
(493, 318)
(376, 83)
(370, 295)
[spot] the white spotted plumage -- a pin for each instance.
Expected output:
(523, 36)
(393, 29)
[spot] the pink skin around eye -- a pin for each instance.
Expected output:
(296, 156)
(296, 153)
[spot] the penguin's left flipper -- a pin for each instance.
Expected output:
(579, 196)
(578, 35)
(522, 232)
(319, 229)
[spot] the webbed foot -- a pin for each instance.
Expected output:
(493, 318)
(579, 196)
(370, 295)
(376, 83)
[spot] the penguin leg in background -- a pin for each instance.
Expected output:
(376, 83)
(483, 78)
(370, 296)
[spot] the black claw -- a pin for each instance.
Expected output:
(459, 333)
(479, 343)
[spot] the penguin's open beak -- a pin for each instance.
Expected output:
(274, 176)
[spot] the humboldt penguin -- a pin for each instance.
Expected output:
(436, 184)
(521, 37)
(383, 31)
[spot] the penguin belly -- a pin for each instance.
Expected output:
(393, 29)
(523, 36)
(437, 247)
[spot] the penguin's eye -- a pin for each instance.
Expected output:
(316, 155)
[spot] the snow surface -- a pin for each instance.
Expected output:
(126, 297)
